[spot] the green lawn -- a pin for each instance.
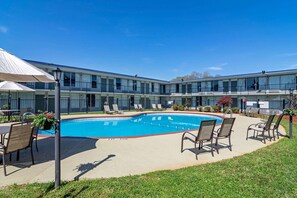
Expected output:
(268, 172)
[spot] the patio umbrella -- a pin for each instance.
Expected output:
(15, 69)
(14, 87)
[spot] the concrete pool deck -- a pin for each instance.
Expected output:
(84, 158)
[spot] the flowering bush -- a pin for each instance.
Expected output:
(225, 101)
(47, 119)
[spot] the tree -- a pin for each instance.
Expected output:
(194, 75)
(225, 101)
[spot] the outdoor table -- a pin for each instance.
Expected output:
(9, 112)
(4, 129)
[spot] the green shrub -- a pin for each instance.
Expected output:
(181, 108)
(208, 109)
(235, 110)
(216, 108)
(225, 109)
(200, 108)
(175, 106)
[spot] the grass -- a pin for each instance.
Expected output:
(267, 172)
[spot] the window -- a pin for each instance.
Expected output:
(72, 79)
(66, 79)
(69, 79)
(118, 84)
(94, 81)
(111, 85)
(225, 86)
(184, 89)
(147, 88)
(103, 84)
(198, 86)
(90, 100)
(177, 88)
(153, 87)
(252, 83)
(215, 85)
(233, 86)
(189, 88)
(134, 85)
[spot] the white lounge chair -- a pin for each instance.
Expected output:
(107, 109)
(140, 107)
(159, 106)
(154, 107)
(116, 109)
(136, 107)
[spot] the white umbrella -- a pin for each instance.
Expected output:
(15, 69)
(14, 86)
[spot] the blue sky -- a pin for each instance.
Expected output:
(159, 39)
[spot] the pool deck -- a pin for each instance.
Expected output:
(84, 158)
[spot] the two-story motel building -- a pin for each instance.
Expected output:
(87, 90)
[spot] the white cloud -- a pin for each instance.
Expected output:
(3, 29)
(215, 68)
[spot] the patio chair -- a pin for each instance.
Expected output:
(205, 134)
(275, 126)
(116, 109)
(35, 136)
(107, 109)
(261, 128)
(154, 107)
(136, 107)
(19, 137)
(159, 106)
(140, 107)
(225, 132)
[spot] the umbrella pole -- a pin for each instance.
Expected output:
(9, 100)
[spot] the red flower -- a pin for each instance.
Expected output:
(45, 113)
(48, 117)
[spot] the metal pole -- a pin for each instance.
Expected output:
(291, 117)
(57, 136)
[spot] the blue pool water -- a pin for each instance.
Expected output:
(141, 125)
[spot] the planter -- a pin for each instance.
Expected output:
(47, 125)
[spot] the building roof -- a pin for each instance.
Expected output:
(256, 74)
(93, 70)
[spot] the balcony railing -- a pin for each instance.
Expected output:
(107, 88)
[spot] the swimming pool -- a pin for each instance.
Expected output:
(140, 125)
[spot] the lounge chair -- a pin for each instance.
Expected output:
(136, 107)
(107, 109)
(154, 107)
(116, 109)
(19, 137)
(261, 128)
(275, 126)
(205, 134)
(159, 106)
(140, 107)
(225, 132)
